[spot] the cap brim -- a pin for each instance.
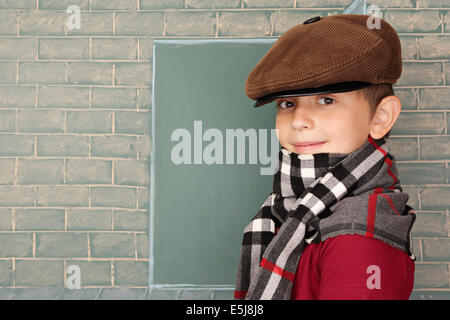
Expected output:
(332, 88)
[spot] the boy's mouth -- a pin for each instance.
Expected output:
(307, 146)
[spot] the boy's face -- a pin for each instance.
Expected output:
(340, 121)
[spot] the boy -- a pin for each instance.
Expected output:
(336, 225)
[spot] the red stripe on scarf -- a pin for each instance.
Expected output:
(373, 197)
(372, 208)
(276, 269)
(240, 294)
(387, 160)
(389, 200)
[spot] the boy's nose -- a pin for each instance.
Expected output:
(302, 118)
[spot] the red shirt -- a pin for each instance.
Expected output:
(353, 267)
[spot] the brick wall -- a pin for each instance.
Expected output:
(74, 128)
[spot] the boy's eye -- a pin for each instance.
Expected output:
(280, 104)
(328, 99)
(285, 104)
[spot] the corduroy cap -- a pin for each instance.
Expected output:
(337, 53)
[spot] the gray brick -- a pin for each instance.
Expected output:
(423, 73)
(89, 219)
(88, 171)
(344, 4)
(283, 20)
(430, 224)
(409, 47)
(408, 97)
(122, 293)
(37, 273)
(7, 169)
(131, 122)
(413, 21)
(114, 49)
(112, 245)
(120, 197)
(447, 72)
(63, 97)
(62, 4)
(131, 220)
(11, 196)
(93, 273)
(146, 48)
(432, 4)
(35, 22)
(448, 120)
(143, 198)
(90, 73)
(448, 174)
(16, 244)
(446, 22)
(41, 72)
(114, 4)
(5, 219)
(16, 145)
(131, 273)
(142, 244)
(185, 23)
(436, 249)
(413, 192)
(404, 148)
(8, 74)
(144, 99)
(94, 23)
(161, 294)
(6, 273)
(162, 4)
(434, 47)
(417, 248)
(7, 121)
(40, 171)
(435, 198)
(37, 219)
(18, 4)
(429, 275)
(422, 173)
(414, 123)
(132, 173)
(61, 244)
(139, 23)
(114, 98)
(63, 145)
(143, 147)
(89, 121)
(133, 74)
(232, 4)
(434, 148)
(17, 97)
(17, 48)
(114, 146)
(40, 121)
(62, 196)
(244, 24)
(434, 98)
(64, 49)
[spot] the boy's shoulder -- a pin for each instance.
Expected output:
(360, 248)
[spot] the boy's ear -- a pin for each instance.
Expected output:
(385, 116)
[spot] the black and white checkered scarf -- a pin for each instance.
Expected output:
(317, 196)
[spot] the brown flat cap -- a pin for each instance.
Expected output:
(336, 53)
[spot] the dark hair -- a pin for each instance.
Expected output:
(374, 94)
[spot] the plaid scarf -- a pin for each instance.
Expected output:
(317, 196)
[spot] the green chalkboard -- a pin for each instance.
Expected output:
(199, 210)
